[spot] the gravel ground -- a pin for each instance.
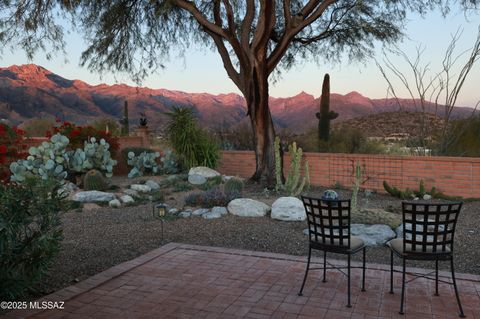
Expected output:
(97, 239)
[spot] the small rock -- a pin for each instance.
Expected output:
(306, 232)
(200, 212)
(416, 198)
(152, 184)
(93, 196)
(173, 211)
(130, 192)
(220, 210)
(115, 203)
(226, 178)
(212, 215)
(185, 214)
(141, 188)
(427, 197)
(288, 209)
(127, 199)
(247, 207)
(196, 179)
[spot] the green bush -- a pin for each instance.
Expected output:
(234, 185)
(30, 234)
(193, 146)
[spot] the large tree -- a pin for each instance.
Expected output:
(255, 38)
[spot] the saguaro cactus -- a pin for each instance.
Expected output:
(124, 121)
(325, 115)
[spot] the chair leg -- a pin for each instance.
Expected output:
(349, 305)
(403, 288)
(306, 270)
(363, 270)
(436, 277)
(391, 271)
(462, 315)
(324, 266)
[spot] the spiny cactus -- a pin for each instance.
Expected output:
(142, 163)
(124, 121)
(293, 186)
(234, 185)
(325, 115)
(356, 185)
(94, 155)
(94, 181)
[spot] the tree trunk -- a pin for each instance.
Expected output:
(256, 96)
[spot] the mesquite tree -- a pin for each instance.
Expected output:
(255, 38)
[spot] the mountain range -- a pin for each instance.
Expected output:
(30, 91)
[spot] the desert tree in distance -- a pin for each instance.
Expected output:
(256, 39)
(431, 91)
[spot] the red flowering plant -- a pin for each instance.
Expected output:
(12, 148)
(79, 134)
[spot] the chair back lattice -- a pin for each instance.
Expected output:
(429, 228)
(328, 221)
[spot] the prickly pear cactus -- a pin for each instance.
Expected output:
(49, 160)
(95, 155)
(94, 181)
(143, 163)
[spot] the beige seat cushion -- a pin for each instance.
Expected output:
(397, 245)
(355, 242)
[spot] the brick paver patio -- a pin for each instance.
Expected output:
(185, 281)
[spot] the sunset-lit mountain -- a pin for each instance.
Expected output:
(29, 91)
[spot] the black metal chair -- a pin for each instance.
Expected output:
(428, 233)
(329, 231)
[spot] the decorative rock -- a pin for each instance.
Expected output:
(226, 178)
(114, 203)
(200, 212)
(246, 207)
(130, 192)
(196, 179)
(372, 235)
(212, 215)
(141, 188)
(127, 199)
(306, 232)
(203, 171)
(288, 209)
(68, 188)
(427, 197)
(185, 214)
(152, 184)
(220, 210)
(93, 196)
(173, 211)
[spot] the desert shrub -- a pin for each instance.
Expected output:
(79, 134)
(211, 198)
(30, 234)
(12, 149)
(102, 124)
(193, 146)
(462, 139)
(37, 127)
(234, 185)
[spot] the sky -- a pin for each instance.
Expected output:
(202, 70)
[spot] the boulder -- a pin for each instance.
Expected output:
(173, 211)
(219, 210)
(212, 215)
(200, 212)
(185, 214)
(141, 188)
(130, 192)
(127, 199)
(288, 209)
(246, 207)
(114, 203)
(152, 184)
(93, 196)
(68, 188)
(372, 235)
(203, 171)
(196, 179)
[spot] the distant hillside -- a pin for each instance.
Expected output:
(29, 91)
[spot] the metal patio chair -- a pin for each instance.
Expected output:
(428, 233)
(329, 231)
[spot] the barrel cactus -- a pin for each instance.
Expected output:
(142, 163)
(329, 194)
(49, 160)
(94, 181)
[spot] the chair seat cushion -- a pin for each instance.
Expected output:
(355, 242)
(397, 245)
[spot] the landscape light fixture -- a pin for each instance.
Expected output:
(159, 211)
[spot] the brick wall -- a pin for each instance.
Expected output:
(455, 176)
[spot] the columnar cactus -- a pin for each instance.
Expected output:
(124, 120)
(325, 115)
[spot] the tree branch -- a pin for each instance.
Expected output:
(212, 28)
